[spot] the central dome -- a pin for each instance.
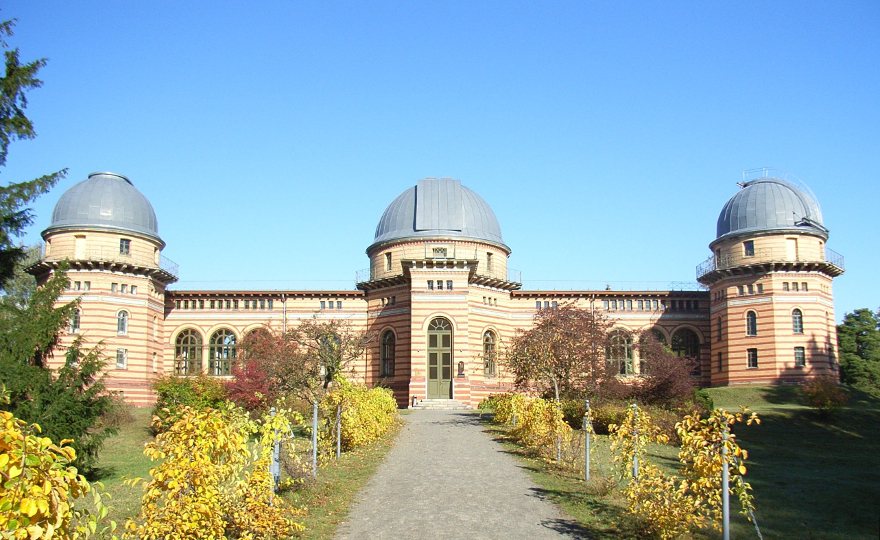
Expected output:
(438, 208)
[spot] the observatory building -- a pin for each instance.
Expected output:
(440, 297)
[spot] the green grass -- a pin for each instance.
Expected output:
(813, 478)
(326, 500)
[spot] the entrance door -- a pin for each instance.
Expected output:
(440, 359)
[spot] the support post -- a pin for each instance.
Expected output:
(275, 466)
(635, 441)
(587, 428)
(338, 430)
(725, 488)
(315, 439)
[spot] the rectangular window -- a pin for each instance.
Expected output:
(228, 304)
(387, 262)
(760, 288)
(269, 303)
(154, 362)
(614, 304)
(87, 285)
(448, 285)
(663, 305)
(804, 286)
(696, 305)
(247, 304)
(186, 304)
(177, 304)
(113, 287)
(604, 304)
(546, 304)
(800, 357)
(554, 304)
(134, 289)
(262, 303)
(323, 304)
(393, 300)
(742, 290)
(656, 304)
(629, 304)
(751, 289)
(234, 304)
(720, 363)
(753, 358)
(125, 246)
(430, 284)
(785, 286)
(121, 358)
(331, 304)
(641, 305)
(213, 303)
(339, 304)
(439, 284)
(123, 289)
(749, 248)
(489, 262)
(77, 285)
(201, 304)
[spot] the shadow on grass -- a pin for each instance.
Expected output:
(781, 394)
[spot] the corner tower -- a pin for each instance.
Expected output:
(770, 280)
(108, 232)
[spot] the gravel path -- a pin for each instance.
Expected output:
(446, 479)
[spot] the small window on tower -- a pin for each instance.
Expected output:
(448, 284)
(123, 289)
(760, 288)
(749, 248)
(125, 246)
(785, 286)
(87, 285)
(804, 286)
(439, 284)
(388, 262)
(113, 287)
(794, 286)
(134, 289)
(430, 284)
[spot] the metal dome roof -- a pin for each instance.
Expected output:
(106, 201)
(438, 207)
(770, 204)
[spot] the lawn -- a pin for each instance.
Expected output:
(325, 499)
(813, 478)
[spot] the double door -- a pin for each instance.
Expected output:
(439, 359)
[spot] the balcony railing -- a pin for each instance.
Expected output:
(591, 285)
(104, 255)
(769, 255)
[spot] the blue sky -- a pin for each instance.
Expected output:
(270, 136)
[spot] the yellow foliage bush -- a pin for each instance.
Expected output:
(367, 414)
(671, 506)
(509, 405)
(38, 487)
(208, 485)
(540, 425)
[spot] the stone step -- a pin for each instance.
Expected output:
(440, 404)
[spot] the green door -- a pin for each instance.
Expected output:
(439, 359)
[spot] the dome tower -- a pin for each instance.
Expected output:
(770, 273)
(108, 232)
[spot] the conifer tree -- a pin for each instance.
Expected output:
(859, 341)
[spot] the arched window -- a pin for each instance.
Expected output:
(797, 321)
(188, 353)
(489, 353)
(389, 343)
(686, 344)
(751, 323)
(74, 322)
(222, 352)
(620, 351)
(661, 337)
(122, 323)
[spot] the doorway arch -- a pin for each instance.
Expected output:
(439, 359)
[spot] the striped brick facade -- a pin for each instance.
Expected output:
(413, 281)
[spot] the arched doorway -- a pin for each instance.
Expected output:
(439, 359)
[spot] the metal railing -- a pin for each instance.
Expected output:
(585, 285)
(103, 255)
(764, 255)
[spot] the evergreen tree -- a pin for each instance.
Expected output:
(14, 125)
(859, 341)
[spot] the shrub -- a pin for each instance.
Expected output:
(208, 485)
(607, 414)
(367, 413)
(174, 393)
(824, 394)
(39, 489)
